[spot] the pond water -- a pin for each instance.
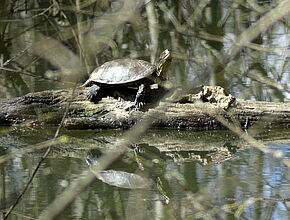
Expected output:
(186, 175)
(50, 45)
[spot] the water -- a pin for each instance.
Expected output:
(198, 179)
(206, 175)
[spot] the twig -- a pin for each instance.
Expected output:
(27, 74)
(282, 9)
(85, 179)
(33, 148)
(153, 30)
(40, 162)
(252, 141)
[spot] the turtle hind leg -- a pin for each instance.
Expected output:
(139, 95)
(92, 93)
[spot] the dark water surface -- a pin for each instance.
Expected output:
(191, 175)
(50, 45)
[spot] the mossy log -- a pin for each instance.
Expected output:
(49, 108)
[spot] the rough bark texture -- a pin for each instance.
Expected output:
(48, 107)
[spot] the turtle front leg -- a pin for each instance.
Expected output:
(139, 94)
(93, 92)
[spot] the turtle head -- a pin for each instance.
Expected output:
(163, 63)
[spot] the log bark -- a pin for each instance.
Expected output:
(49, 107)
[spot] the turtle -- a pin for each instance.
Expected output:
(128, 76)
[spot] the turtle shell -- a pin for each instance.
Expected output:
(121, 71)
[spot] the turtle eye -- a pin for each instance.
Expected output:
(164, 54)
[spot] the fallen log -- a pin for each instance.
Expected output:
(49, 107)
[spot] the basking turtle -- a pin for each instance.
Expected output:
(127, 75)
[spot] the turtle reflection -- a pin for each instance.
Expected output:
(144, 159)
(114, 177)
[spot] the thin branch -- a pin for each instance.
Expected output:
(32, 75)
(252, 141)
(41, 160)
(283, 9)
(153, 30)
(86, 178)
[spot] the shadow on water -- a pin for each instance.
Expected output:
(166, 174)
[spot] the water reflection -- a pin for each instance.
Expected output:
(181, 188)
(116, 178)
